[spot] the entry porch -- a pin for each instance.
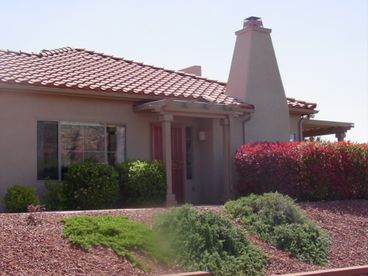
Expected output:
(193, 141)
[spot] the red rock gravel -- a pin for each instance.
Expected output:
(34, 246)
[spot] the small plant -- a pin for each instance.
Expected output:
(54, 198)
(32, 219)
(90, 185)
(202, 240)
(18, 197)
(141, 182)
(35, 208)
(278, 220)
(127, 238)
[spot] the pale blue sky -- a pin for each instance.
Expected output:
(321, 45)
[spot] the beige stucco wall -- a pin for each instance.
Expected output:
(19, 113)
(18, 135)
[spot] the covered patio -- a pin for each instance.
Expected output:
(312, 128)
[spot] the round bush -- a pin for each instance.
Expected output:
(142, 182)
(91, 185)
(18, 197)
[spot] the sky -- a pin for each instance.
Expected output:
(321, 45)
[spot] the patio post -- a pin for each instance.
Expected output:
(166, 120)
(340, 136)
(227, 162)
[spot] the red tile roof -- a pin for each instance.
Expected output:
(300, 104)
(88, 70)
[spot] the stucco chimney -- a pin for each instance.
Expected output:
(255, 78)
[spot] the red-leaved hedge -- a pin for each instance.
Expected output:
(304, 170)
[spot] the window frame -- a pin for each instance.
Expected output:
(59, 142)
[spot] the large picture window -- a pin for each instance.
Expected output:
(63, 143)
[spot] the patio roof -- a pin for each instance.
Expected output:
(319, 127)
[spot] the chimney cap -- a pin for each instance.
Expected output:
(253, 18)
(253, 21)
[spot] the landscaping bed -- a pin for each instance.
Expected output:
(34, 245)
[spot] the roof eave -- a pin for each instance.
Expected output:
(302, 111)
(63, 91)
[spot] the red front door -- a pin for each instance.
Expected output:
(176, 156)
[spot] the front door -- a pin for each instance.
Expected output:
(176, 156)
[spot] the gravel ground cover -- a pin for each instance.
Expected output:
(32, 245)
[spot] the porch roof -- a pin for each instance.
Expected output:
(319, 127)
(194, 108)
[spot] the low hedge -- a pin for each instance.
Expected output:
(90, 185)
(306, 170)
(278, 220)
(202, 240)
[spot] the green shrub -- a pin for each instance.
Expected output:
(54, 197)
(277, 219)
(91, 185)
(18, 197)
(141, 182)
(305, 241)
(202, 240)
(125, 237)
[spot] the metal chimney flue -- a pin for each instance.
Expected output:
(253, 21)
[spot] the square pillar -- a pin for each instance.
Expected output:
(340, 136)
(166, 120)
(227, 162)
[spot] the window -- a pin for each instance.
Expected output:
(71, 142)
(189, 152)
(292, 137)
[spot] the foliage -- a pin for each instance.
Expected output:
(277, 219)
(18, 197)
(305, 241)
(142, 182)
(54, 197)
(127, 238)
(90, 185)
(202, 240)
(306, 170)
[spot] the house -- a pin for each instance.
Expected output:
(67, 105)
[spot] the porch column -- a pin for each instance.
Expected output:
(340, 136)
(227, 162)
(166, 120)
